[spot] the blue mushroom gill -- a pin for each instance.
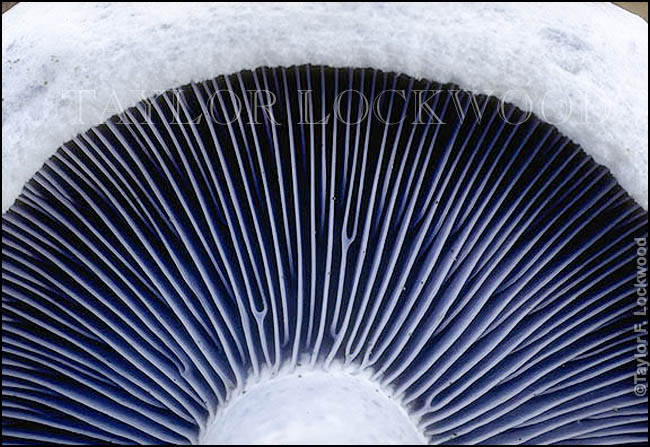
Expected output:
(470, 256)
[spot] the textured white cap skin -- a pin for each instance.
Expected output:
(583, 66)
(340, 406)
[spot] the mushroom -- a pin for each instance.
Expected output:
(413, 262)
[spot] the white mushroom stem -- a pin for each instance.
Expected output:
(313, 406)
